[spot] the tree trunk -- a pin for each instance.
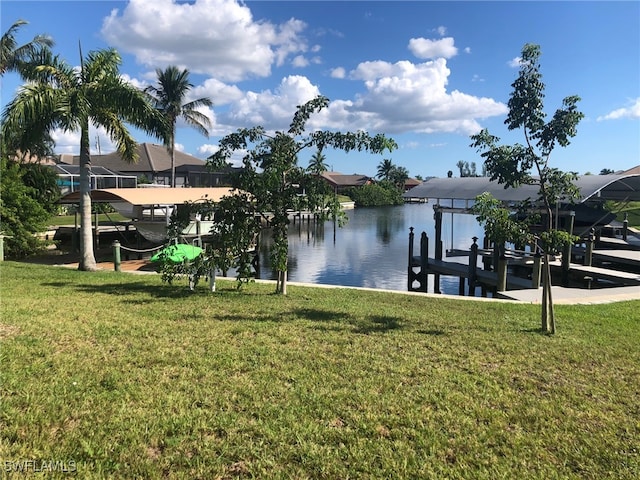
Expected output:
(543, 307)
(172, 152)
(550, 310)
(173, 167)
(284, 283)
(87, 256)
(548, 323)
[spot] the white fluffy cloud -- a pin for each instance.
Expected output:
(221, 39)
(69, 142)
(424, 48)
(404, 96)
(215, 37)
(272, 110)
(299, 61)
(338, 72)
(632, 111)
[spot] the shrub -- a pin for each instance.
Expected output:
(375, 195)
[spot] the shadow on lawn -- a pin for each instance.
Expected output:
(158, 291)
(338, 321)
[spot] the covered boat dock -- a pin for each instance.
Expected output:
(608, 254)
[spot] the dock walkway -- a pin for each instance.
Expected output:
(573, 296)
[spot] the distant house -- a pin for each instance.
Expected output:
(409, 183)
(632, 171)
(154, 164)
(200, 176)
(340, 182)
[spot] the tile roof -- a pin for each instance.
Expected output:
(152, 158)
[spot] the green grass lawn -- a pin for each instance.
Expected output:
(58, 220)
(131, 378)
(632, 209)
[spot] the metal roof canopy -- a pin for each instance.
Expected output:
(601, 187)
(151, 196)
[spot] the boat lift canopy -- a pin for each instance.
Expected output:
(151, 196)
(592, 187)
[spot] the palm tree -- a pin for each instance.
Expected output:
(60, 96)
(13, 56)
(398, 176)
(168, 97)
(316, 163)
(385, 168)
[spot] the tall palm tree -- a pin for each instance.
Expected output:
(60, 96)
(169, 95)
(14, 56)
(317, 163)
(398, 176)
(385, 167)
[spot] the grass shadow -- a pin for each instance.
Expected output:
(377, 324)
(367, 325)
(156, 291)
(433, 332)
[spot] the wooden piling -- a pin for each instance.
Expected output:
(424, 261)
(588, 256)
(537, 270)
(473, 265)
(410, 262)
(437, 215)
(566, 253)
(116, 256)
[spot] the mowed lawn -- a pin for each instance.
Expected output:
(128, 377)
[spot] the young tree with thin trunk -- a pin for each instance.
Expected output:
(277, 184)
(169, 97)
(71, 99)
(528, 164)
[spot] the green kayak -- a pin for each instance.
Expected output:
(177, 253)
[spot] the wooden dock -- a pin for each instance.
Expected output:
(518, 270)
(482, 277)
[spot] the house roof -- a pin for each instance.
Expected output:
(605, 187)
(151, 196)
(411, 182)
(151, 158)
(340, 180)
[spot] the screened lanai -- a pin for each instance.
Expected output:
(101, 177)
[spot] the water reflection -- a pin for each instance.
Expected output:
(371, 250)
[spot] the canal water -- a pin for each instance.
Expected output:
(372, 249)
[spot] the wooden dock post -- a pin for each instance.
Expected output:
(437, 215)
(424, 262)
(537, 270)
(116, 256)
(486, 261)
(410, 262)
(566, 253)
(473, 266)
(422, 275)
(588, 256)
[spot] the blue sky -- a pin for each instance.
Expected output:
(428, 74)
